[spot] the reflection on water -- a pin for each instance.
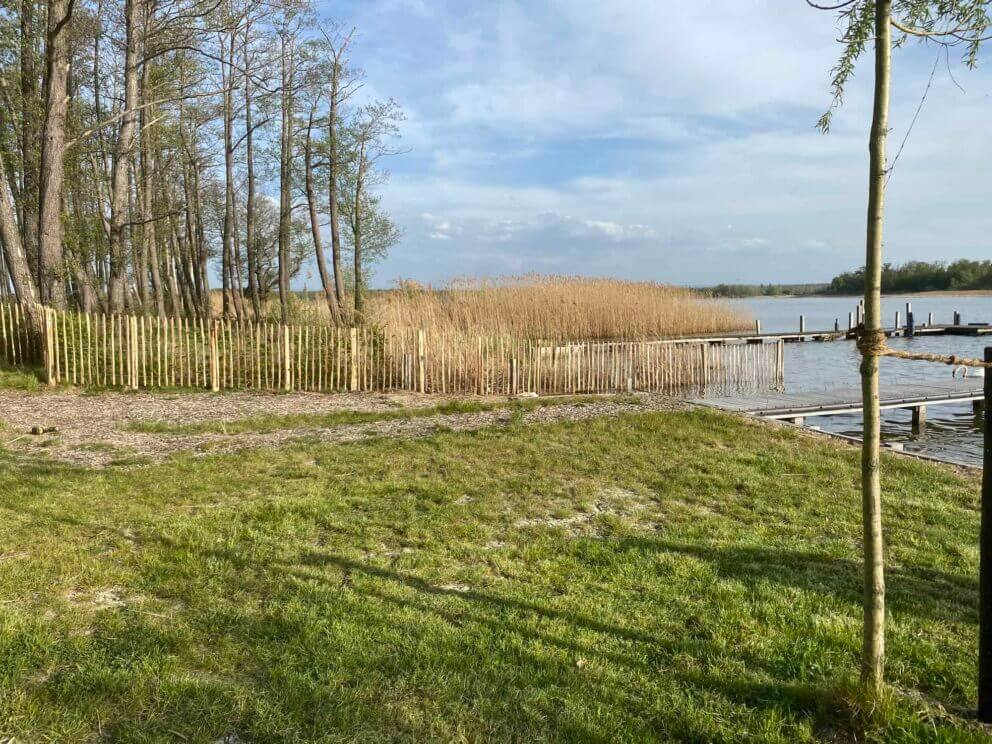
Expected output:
(952, 431)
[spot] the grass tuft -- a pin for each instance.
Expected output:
(19, 377)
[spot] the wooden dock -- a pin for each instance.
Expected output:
(972, 329)
(796, 407)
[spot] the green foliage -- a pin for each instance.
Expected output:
(19, 377)
(762, 290)
(919, 276)
(949, 23)
(685, 576)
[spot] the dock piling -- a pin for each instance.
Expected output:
(919, 419)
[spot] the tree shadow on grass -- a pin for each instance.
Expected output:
(924, 592)
(543, 641)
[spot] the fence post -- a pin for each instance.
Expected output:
(704, 348)
(49, 347)
(482, 376)
(780, 362)
(214, 359)
(132, 345)
(985, 564)
(421, 362)
(287, 361)
(353, 380)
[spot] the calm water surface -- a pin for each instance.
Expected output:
(952, 432)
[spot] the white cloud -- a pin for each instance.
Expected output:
(514, 107)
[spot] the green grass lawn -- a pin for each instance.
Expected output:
(655, 577)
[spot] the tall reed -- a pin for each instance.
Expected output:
(535, 306)
(557, 307)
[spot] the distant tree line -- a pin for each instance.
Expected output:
(919, 276)
(762, 290)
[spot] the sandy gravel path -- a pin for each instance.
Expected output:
(91, 429)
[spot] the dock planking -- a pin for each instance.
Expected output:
(971, 329)
(797, 406)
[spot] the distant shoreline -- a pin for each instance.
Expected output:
(821, 295)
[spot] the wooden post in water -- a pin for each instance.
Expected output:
(850, 321)
(757, 327)
(896, 326)
(957, 318)
(930, 319)
(802, 324)
(985, 564)
(919, 418)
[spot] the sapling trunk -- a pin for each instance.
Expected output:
(873, 650)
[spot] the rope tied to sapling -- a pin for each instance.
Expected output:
(872, 342)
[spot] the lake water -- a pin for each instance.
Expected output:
(952, 432)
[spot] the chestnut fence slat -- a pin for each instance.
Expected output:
(150, 352)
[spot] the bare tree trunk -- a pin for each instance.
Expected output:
(29, 137)
(873, 652)
(202, 255)
(285, 172)
(17, 262)
(149, 230)
(51, 261)
(356, 232)
(227, 234)
(318, 243)
(332, 178)
(120, 171)
(250, 256)
(86, 295)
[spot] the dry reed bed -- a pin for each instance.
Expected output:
(541, 307)
(558, 307)
(141, 352)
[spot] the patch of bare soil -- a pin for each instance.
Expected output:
(92, 429)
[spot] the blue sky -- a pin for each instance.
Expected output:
(648, 140)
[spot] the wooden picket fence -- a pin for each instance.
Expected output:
(147, 352)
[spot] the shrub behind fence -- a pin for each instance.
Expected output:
(143, 352)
